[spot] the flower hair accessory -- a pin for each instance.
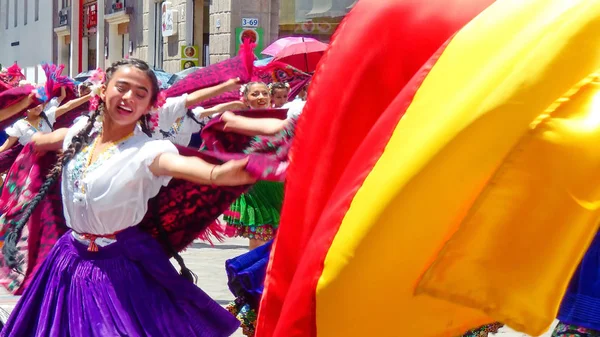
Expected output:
(272, 84)
(154, 114)
(243, 89)
(97, 81)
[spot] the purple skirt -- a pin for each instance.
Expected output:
(128, 288)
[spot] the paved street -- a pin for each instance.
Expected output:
(208, 263)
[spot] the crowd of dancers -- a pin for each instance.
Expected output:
(111, 157)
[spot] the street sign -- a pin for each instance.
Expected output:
(249, 22)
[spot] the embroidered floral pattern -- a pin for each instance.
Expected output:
(570, 330)
(484, 331)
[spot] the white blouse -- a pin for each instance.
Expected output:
(294, 107)
(24, 131)
(173, 109)
(183, 128)
(113, 195)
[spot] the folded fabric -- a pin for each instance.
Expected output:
(214, 138)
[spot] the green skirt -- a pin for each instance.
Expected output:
(255, 214)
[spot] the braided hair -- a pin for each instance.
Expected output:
(78, 142)
(190, 114)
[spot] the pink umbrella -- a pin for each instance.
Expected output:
(300, 52)
(278, 45)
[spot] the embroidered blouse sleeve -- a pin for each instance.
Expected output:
(52, 104)
(174, 108)
(16, 130)
(51, 114)
(140, 163)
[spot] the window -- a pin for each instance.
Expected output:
(16, 12)
(25, 12)
(37, 10)
(7, 10)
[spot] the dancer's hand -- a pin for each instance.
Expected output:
(232, 173)
(233, 84)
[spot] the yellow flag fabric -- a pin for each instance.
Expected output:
(532, 223)
(495, 77)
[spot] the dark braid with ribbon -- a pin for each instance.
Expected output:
(162, 233)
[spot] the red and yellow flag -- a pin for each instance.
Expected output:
(467, 194)
(345, 128)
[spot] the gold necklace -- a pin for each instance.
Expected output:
(92, 150)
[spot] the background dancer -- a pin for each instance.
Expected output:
(255, 214)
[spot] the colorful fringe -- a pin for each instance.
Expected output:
(570, 330)
(484, 331)
(246, 315)
(255, 214)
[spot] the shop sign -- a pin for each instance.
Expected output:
(190, 57)
(169, 26)
(255, 35)
(92, 15)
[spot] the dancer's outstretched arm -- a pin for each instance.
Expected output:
(6, 113)
(53, 141)
(201, 95)
(70, 105)
(10, 142)
(198, 171)
(229, 106)
(252, 126)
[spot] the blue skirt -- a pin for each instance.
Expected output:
(581, 303)
(128, 288)
(246, 274)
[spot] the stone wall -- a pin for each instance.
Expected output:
(221, 38)
(172, 44)
(139, 29)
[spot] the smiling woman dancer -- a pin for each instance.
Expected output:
(255, 214)
(107, 277)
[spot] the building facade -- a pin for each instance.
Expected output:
(267, 20)
(169, 35)
(26, 35)
(95, 33)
